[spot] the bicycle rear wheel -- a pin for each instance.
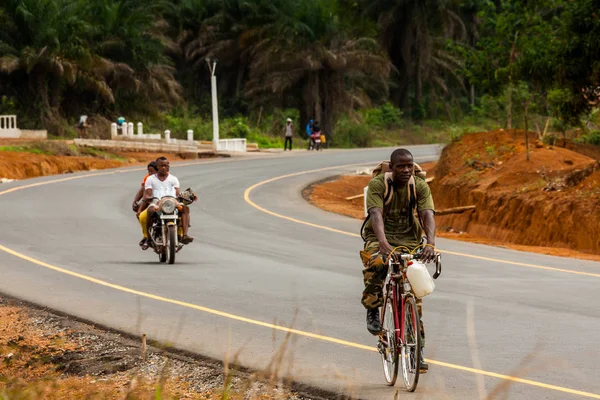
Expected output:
(411, 348)
(389, 346)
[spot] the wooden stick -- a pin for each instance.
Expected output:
(144, 347)
(355, 197)
(455, 210)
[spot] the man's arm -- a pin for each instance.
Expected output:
(377, 220)
(176, 185)
(427, 216)
(147, 194)
(137, 198)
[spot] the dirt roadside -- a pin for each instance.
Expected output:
(548, 204)
(44, 355)
(22, 159)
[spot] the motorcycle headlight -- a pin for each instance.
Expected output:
(168, 206)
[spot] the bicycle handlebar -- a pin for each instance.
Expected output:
(438, 262)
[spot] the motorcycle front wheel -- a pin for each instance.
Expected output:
(171, 246)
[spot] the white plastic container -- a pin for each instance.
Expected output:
(419, 278)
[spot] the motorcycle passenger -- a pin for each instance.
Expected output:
(138, 206)
(157, 186)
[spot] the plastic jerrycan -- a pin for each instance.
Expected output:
(419, 278)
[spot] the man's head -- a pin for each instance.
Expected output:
(163, 166)
(289, 121)
(152, 168)
(402, 166)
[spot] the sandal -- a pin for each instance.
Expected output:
(185, 239)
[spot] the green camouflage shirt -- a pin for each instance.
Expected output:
(401, 227)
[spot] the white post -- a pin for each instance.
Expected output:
(113, 130)
(190, 135)
(130, 129)
(215, 107)
(167, 136)
(140, 129)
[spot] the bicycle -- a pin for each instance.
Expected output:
(401, 336)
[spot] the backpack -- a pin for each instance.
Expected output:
(388, 194)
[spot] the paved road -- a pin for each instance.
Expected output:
(254, 270)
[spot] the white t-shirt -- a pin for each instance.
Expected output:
(162, 188)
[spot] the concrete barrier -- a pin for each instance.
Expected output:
(131, 145)
(237, 145)
(9, 129)
(34, 134)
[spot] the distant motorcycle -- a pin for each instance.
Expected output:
(166, 228)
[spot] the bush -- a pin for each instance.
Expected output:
(592, 137)
(237, 128)
(264, 141)
(386, 116)
(349, 134)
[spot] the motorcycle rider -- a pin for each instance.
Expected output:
(157, 186)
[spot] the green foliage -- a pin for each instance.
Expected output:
(349, 134)
(239, 129)
(373, 61)
(385, 116)
(264, 141)
(592, 137)
(491, 150)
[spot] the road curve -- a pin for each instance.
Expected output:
(265, 263)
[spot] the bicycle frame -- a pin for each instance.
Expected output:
(395, 283)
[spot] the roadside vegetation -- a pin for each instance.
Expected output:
(373, 73)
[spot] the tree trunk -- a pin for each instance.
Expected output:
(472, 95)
(419, 90)
(527, 129)
(239, 80)
(511, 60)
(509, 107)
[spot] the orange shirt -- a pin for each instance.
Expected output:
(144, 180)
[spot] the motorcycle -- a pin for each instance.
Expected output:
(167, 225)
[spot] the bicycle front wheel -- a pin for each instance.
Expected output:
(411, 346)
(389, 345)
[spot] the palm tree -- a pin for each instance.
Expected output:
(42, 39)
(95, 49)
(305, 54)
(415, 32)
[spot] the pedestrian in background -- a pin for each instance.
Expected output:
(288, 134)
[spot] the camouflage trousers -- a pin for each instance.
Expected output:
(374, 273)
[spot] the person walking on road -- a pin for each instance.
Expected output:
(288, 134)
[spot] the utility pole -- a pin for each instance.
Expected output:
(212, 66)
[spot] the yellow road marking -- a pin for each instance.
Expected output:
(256, 322)
(286, 329)
(327, 228)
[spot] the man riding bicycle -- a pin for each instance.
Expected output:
(393, 223)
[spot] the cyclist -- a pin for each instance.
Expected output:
(392, 225)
